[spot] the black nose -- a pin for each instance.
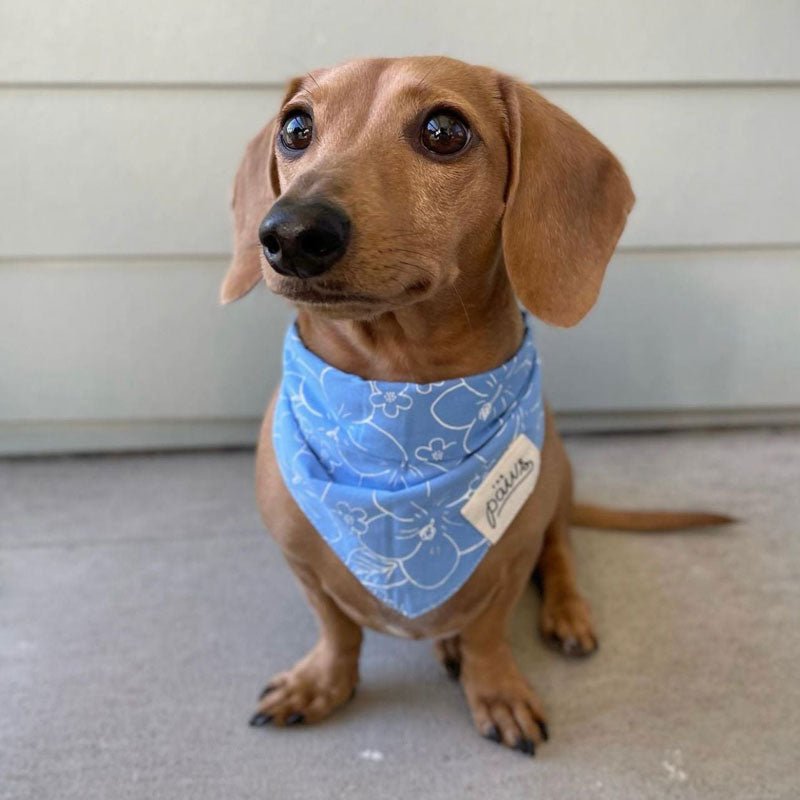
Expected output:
(304, 238)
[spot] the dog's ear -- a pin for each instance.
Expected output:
(567, 201)
(254, 191)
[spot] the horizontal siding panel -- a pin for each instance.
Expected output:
(145, 341)
(708, 167)
(135, 172)
(541, 40)
(148, 171)
(713, 330)
(128, 340)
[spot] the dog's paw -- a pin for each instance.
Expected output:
(448, 652)
(566, 626)
(504, 707)
(309, 692)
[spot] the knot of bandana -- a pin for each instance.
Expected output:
(384, 469)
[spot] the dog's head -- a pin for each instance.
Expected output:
(382, 182)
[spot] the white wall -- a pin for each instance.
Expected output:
(121, 125)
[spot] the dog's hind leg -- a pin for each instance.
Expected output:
(448, 651)
(565, 620)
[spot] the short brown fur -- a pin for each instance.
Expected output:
(428, 291)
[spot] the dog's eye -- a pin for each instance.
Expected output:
(297, 130)
(444, 133)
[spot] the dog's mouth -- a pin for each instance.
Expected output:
(335, 293)
(325, 297)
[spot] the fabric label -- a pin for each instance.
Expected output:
(503, 491)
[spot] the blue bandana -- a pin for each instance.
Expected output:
(409, 484)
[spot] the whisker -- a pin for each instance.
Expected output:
(461, 300)
(403, 250)
(399, 235)
(403, 258)
(427, 270)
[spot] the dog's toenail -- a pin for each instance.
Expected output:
(295, 719)
(259, 720)
(267, 689)
(493, 734)
(453, 668)
(545, 731)
(525, 746)
(571, 646)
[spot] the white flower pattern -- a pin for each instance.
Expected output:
(382, 469)
(390, 400)
(435, 452)
(354, 518)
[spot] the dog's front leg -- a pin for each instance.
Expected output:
(326, 677)
(504, 706)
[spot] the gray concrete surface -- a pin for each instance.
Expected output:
(142, 608)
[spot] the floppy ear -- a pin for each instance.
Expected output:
(568, 199)
(254, 191)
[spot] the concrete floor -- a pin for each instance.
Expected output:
(142, 608)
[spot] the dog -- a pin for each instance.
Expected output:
(407, 207)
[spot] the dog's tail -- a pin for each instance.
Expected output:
(591, 516)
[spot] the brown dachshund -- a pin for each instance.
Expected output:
(405, 206)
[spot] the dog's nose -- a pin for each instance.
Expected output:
(304, 238)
